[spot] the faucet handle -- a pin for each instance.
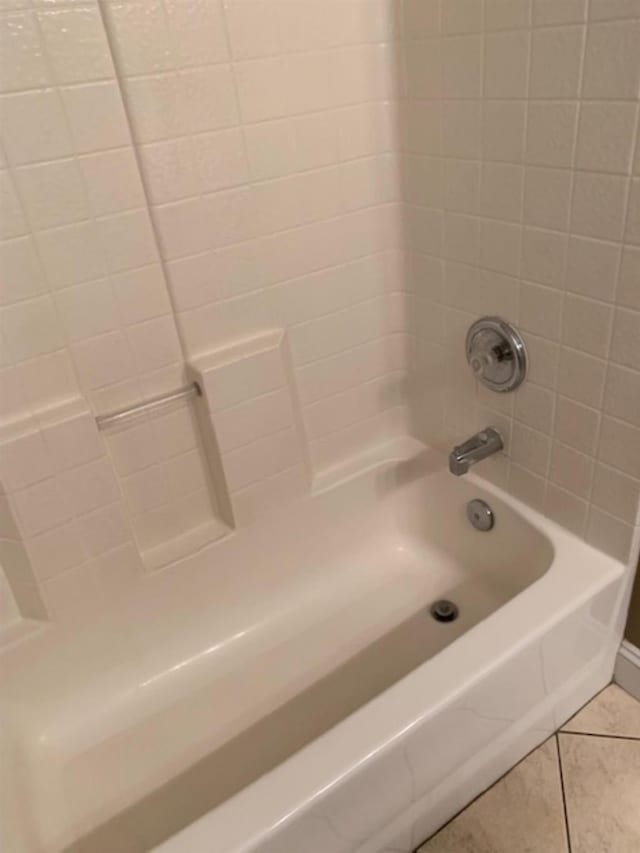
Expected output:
(482, 361)
(496, 354)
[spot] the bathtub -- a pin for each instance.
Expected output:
(286, 690)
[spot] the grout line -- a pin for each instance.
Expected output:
(596, 734)
(564, 796)
(484, 791)
(555, 736)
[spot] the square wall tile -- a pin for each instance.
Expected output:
(73, 254)
(421, 18)
(96, 116)
(424, 68)
(503, 133)
(461, 123)
(500, 246)
(527, 487)
(254, 419)
(543, 256)
(89, 486)
(530, 449)
(253, 29)
(602, 10)
(533, 406)
(571, 470)
(616, 493)
(625, 346)
(502, 191)
(462, 186)
(133, 448)
(507, 14)
(261, 459)
(103, 360)
(462, 16)
(543, 358)
(547, 198)
(592, 268)
(71, 592)
(566, 509)
(271, 149)
(581, 377)
(22, 54)
(505, 64)
(462, 67)
(551, 128)
(597, 208)
(550, 12)
(262, 87)
(135, 55)
(24, 461)
(576, 425)
(605, 136)
(103, 530)
(53, 193)
(42, 506)
(619, 446)
(112, 181)
(586, 325)
(541, 310)
(130, 240)
(141, 294)
(73, 440)
(155, 344)
(34, 127)
(612, 61)
(88, 310)
(197, 32)
(555, 62)
(22, 273)
(31, 328)
(622, 395)
(609, 534)
(205, 99)
(76, 44)
(56, 551)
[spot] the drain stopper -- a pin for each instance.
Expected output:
(444, 610)
(480, 515)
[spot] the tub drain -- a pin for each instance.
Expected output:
(480, 515)
(444, 610)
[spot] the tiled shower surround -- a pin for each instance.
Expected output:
(303, 204)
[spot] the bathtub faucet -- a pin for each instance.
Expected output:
(478, 447)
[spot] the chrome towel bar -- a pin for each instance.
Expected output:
(150, 405)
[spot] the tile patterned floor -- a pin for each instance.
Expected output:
(579, 792)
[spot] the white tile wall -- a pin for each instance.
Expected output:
(255, 410)
(74, 188)
(365, 177)
(550, 200)
(84, 307)
(65, 509)
(264, 148)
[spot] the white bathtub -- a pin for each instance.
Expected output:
(286, 691)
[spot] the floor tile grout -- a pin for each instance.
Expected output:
(564, 796)
(556, 736)
(595, 734)
(483, 792)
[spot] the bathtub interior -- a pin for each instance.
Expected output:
(206, 684)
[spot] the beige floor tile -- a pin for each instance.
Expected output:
(602, 789)
(522, 812)
(611, 712)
